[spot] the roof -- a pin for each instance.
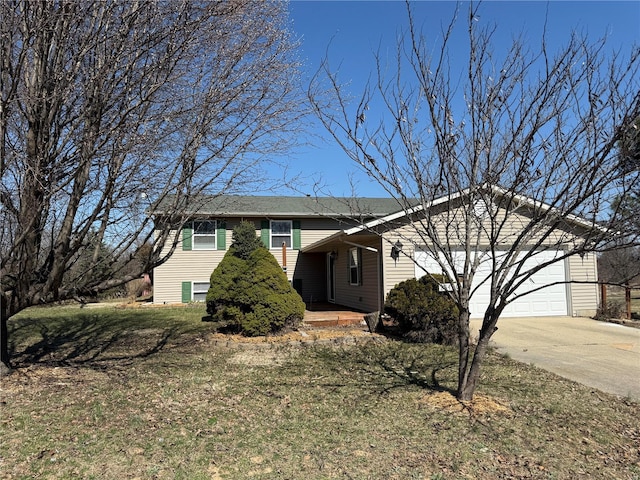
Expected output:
(396, 214)
(532, 203)
(284, 206)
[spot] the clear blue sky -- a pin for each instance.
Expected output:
(350, 32)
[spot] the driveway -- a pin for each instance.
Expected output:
(602, 355)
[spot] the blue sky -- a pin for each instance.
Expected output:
(350, 32)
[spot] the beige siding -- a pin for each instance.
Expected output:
(197, 265)
(450, 224)
(308, 271)
(190, 266)
(585, 297)
(582, 297)
(396, 271)
(360, 297)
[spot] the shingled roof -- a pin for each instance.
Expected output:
(285, 206)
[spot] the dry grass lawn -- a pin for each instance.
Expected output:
(156, 394)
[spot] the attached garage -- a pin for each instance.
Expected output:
(550, 300)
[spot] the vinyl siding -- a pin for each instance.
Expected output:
(197, 265)
(396, 271)
(362, 297)
(451, 224)
(582, 298)
(585, 297)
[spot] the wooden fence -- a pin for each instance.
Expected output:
(629, 292)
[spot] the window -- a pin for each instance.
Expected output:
(355, 266)
(200, 290)
(194, 291)
(281, 232)
(204, 235)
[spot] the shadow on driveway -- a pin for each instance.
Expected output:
(602, 355)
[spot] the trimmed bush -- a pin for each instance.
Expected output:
(423, 313)
(249, 291)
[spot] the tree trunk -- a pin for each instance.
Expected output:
(5, 364)
(463, 350)
(469, 381)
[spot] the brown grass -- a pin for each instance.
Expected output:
(132, 394)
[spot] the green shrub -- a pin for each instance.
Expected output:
(249, 291)
(423, 313)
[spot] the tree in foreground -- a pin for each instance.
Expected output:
(249, 290)
(109, 107)
(521, 146)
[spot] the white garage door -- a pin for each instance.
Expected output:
(549, 301)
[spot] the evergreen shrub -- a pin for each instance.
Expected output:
(423, 313)
(249, 291)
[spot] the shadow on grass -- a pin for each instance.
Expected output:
(384, 367)
(94, 339)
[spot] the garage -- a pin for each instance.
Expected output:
(549, 301)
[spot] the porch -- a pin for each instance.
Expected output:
(331, 315)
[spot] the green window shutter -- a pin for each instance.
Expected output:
(187, 235)
(296, 235)
(186, 292)
(221, 236)
(264, 232)
(359, 266)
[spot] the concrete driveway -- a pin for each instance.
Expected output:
(602, 355)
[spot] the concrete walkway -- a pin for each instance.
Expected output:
(602, 355)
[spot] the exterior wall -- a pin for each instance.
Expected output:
(308, 272)
(310, 277)
(396, 271)
(585, 297)
(364, 297)
(197, 265)
(183, 266)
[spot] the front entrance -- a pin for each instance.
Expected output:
(331, 277)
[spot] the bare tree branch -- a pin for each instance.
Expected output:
(508, 157)
(107, 105)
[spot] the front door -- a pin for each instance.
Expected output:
(331, 277)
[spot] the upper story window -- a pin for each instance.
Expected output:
(204, 235)
(281, 232)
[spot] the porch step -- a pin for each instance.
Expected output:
(333, 319)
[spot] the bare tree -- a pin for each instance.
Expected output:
(109, 107)
(508, 157)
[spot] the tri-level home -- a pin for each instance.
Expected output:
(351, 252)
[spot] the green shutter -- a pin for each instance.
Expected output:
(186, 292)
(221, 236)
(359, 266)
(296, 235)
(264, 232)
(187, 235)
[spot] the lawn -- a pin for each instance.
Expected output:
(152, 393)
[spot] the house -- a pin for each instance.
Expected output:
(353, 251)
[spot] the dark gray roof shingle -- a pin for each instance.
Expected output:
(280, 206)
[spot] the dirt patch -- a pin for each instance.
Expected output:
(480, 405)
(303, 335)
(260, 358)
(46, 378)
